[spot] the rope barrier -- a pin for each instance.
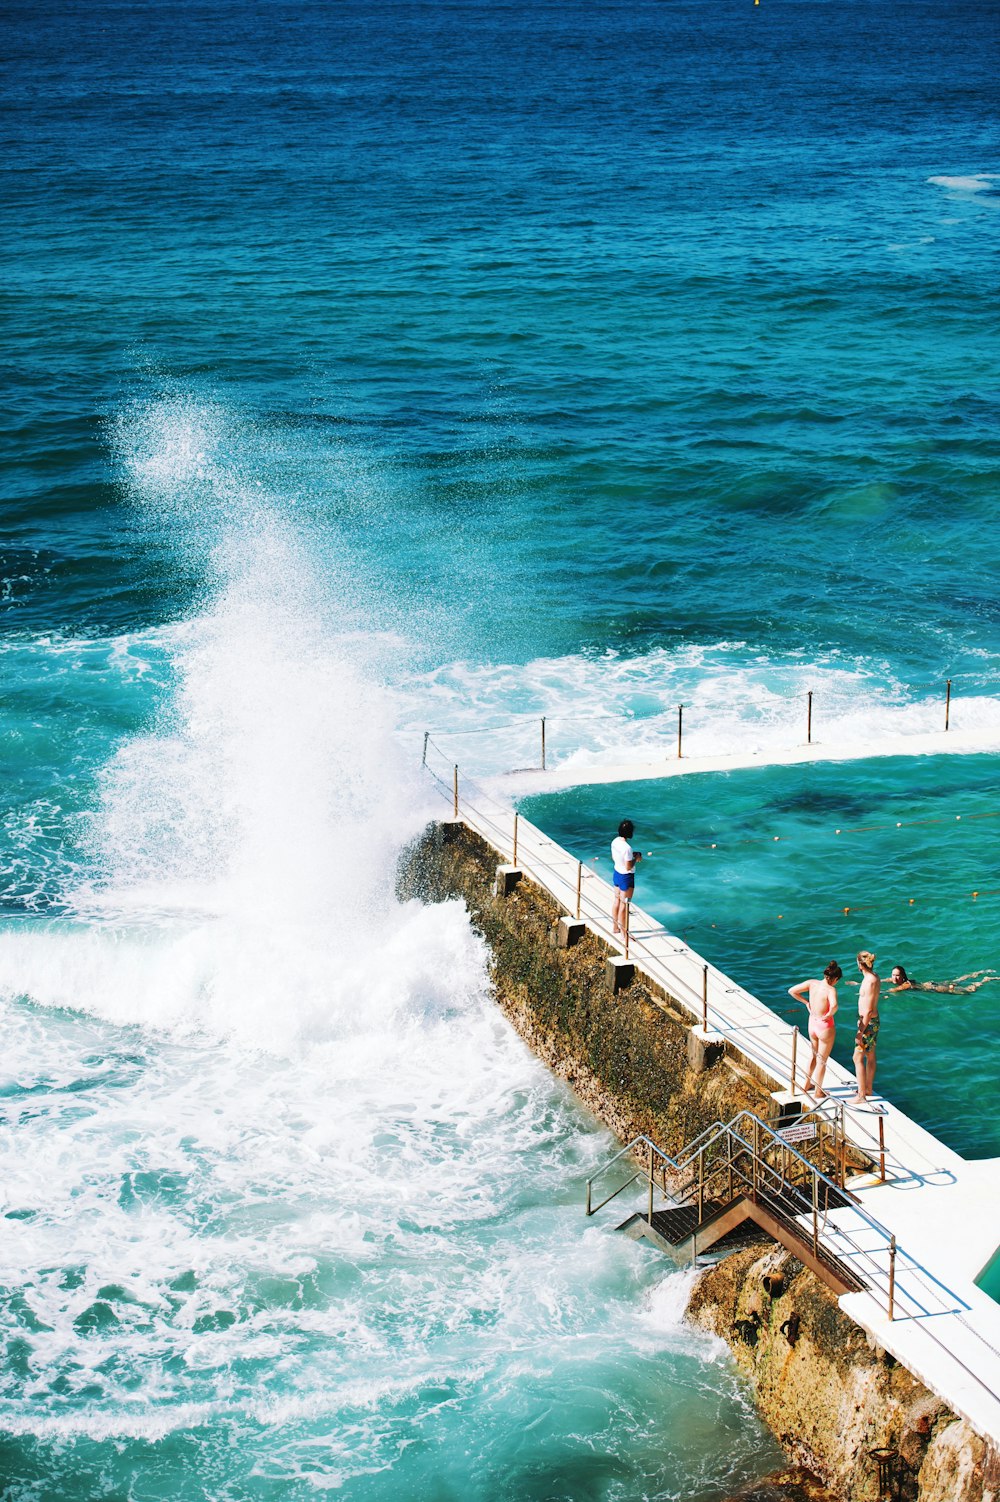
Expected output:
(784, 839)
(660, 949)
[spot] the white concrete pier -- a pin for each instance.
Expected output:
(943, 1210)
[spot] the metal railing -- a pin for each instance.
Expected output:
(876, 1267)
(539, 726)
(747, 1156)
(694, 984)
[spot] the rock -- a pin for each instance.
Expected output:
(952, 1470)
(791, 1485)
(828, 1395)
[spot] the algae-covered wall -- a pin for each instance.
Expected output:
(829, 1394)
(624, 1055)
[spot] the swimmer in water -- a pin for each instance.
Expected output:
(902, 982)
(821, 1000)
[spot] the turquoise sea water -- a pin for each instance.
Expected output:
(374, 369)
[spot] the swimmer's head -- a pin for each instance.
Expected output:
(866, 959)
(626, 829)
(899, 976)
(833, 972)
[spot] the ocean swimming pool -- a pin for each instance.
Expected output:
(773, 872)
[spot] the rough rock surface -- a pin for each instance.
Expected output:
(791, 1485)
(829, 1394)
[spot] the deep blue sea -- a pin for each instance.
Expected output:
(376, 368)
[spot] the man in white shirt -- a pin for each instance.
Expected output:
(624, 858)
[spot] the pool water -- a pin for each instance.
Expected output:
(773, 872)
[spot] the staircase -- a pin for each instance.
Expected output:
(740, 1181)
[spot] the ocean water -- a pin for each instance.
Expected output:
(379, 369)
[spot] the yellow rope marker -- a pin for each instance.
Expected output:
(847, 910)
(911, 901)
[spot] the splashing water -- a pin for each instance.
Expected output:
(290, 1205)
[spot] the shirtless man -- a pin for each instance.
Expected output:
(868, 1022)
(821, 1000)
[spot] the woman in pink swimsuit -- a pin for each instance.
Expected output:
(821, 999)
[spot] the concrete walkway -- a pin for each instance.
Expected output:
(582, 771)
(943, 1210)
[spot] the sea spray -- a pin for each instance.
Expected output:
(288, 1204)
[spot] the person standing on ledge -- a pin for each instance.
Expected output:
(624, 859)
(868, 1020)
(821, 1000)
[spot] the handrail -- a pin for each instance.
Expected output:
(629, 1148)
(765, 1178)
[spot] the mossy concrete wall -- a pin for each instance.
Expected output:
(624, 1055)
(829, 1396)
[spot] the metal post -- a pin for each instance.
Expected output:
(947, 704)
(729, 1156)
(627, 905)
(809, 720)
(650, 1183)
(543, 743)
(579, 884)
(815, 1179)
(795, 1052)
(892, 1277)
(704, 997)
(756, 1154)
(881, 1149)
(427, 736)
(514, 861)
(680, 727)
(455, 790)
(701, 1187)
(589, 1212)
(819, 1147)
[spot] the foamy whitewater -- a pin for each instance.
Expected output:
(284, 1194)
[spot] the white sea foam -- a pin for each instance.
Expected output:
(273, 1158)
(979, 182)
(615, 708)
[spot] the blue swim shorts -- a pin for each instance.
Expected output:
(624, 880)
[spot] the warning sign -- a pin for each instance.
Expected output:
(801, 1133)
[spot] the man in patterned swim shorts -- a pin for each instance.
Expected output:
(868, 1021)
